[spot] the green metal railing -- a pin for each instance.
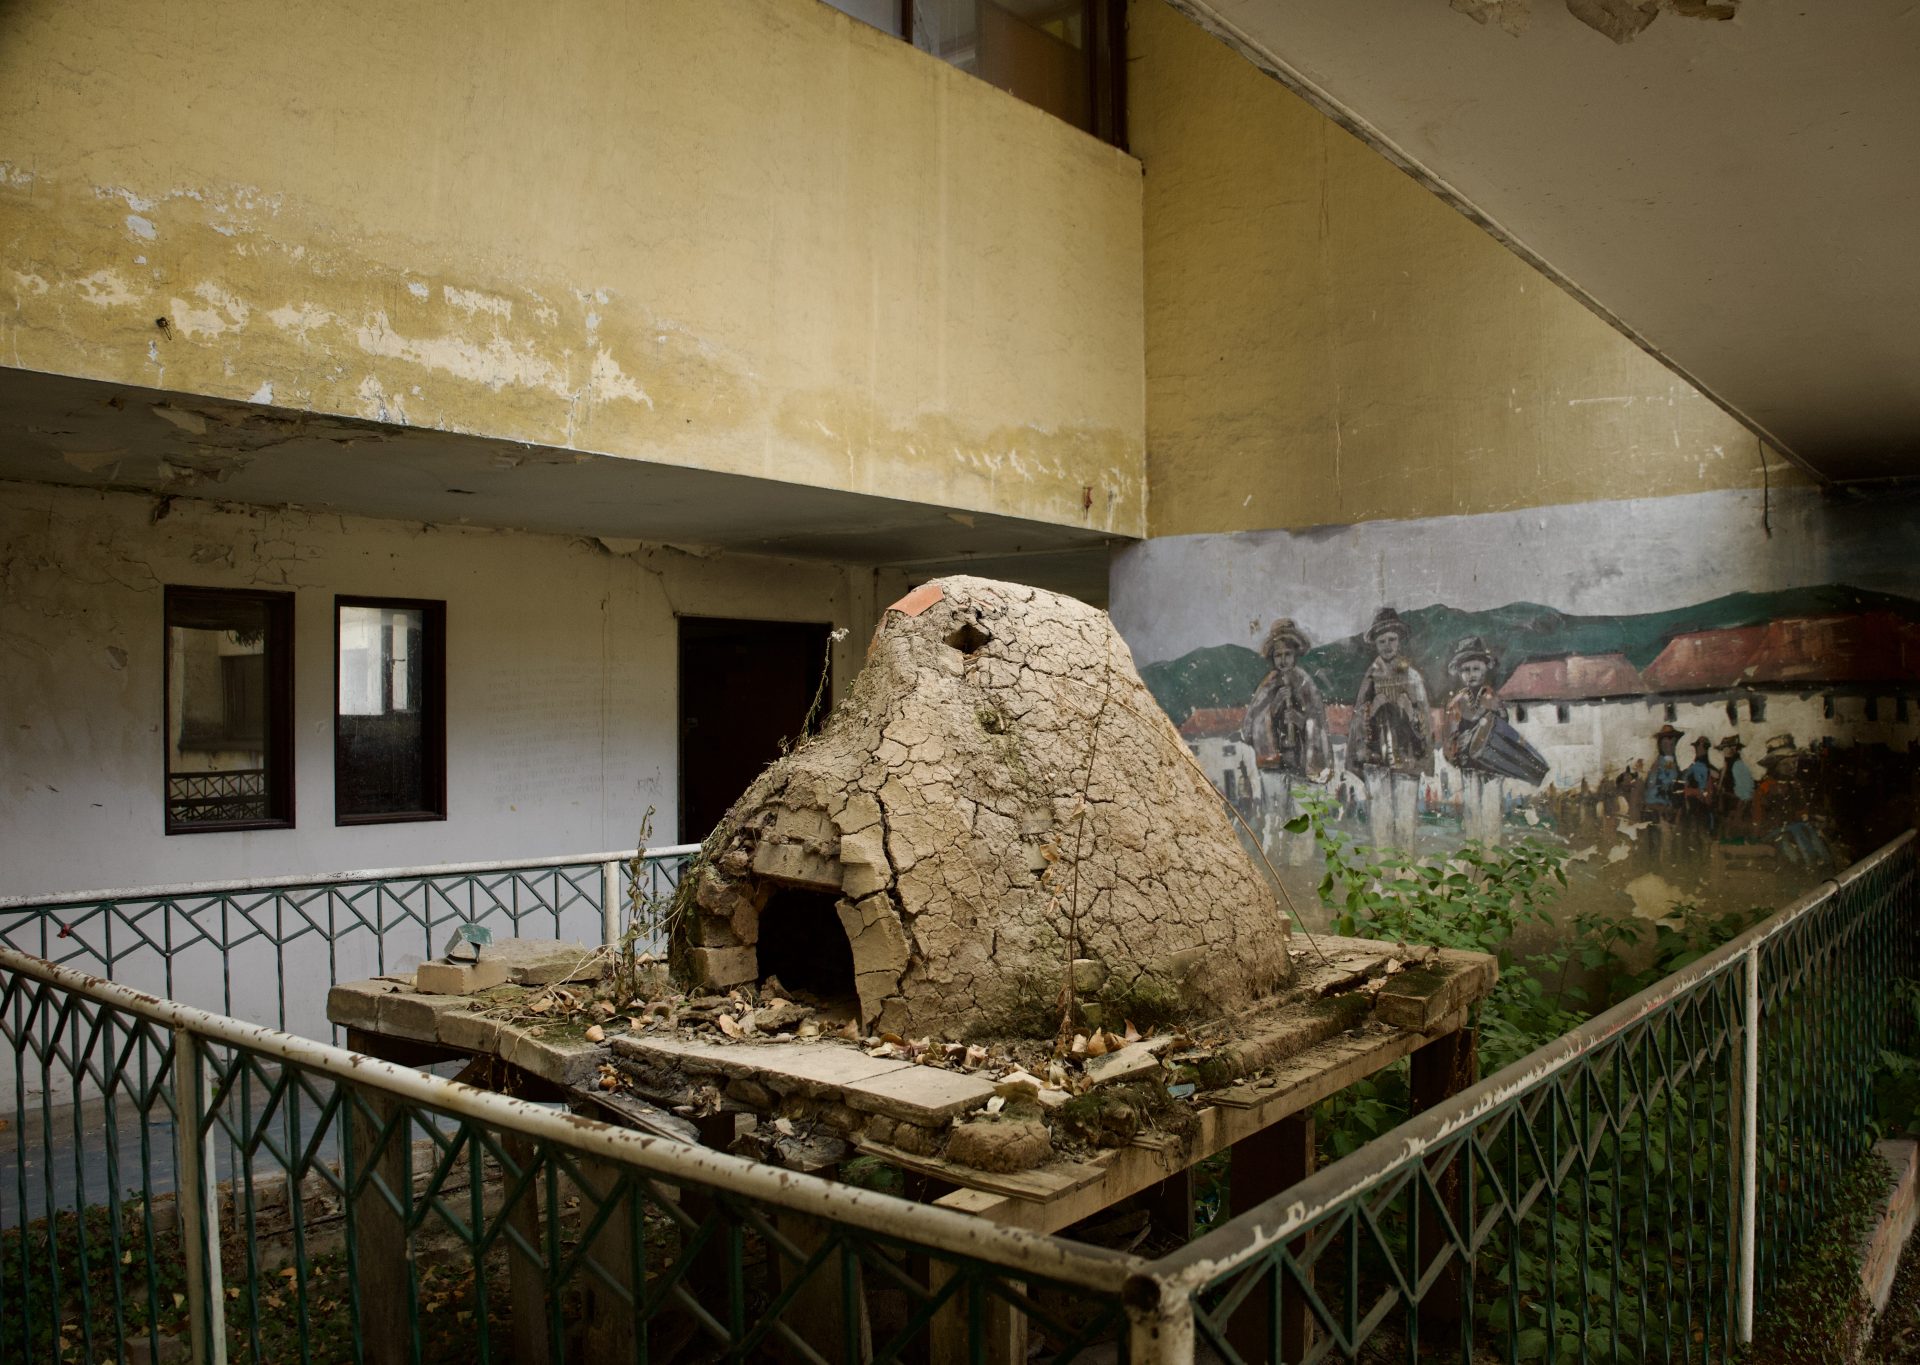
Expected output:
(1633, 1191)
(1628, 1193)
(323, 1206)
(269, 950)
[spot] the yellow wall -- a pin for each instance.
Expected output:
(1329, 343)
(751, 236)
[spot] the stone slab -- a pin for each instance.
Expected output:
(925, 1095)
(817, 1065)
(408, 1014)
(356, 1004)
(390, 1006)
(545, 961)
(472, 1030)
(564, 1061)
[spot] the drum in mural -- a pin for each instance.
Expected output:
(1496, 747)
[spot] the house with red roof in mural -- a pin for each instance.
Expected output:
(1212, 734)
(1849, 677)
(1578, 710)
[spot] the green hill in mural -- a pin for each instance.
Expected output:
(1225, 675)
(1219, 675)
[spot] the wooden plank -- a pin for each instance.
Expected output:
(611, 1322)
(526, 1277)
(817, 1313)
(951, 1340)
(1041, 1183)
(382, 1257)
(1440, 1070)
(1263, 1165)
(637, 1113)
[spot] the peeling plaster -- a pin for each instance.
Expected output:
(263, 304)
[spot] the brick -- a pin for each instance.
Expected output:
(796, 865)
(459, 978)
(723, 967)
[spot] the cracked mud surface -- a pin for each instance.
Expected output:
(998, 806)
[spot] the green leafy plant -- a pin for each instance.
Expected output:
(1598, 1259)
(1896, 1081)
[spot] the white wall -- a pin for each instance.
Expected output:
(561, 681)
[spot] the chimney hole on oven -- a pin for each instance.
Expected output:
(803, 943)
(968, 637)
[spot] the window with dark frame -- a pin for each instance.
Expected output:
(1067, 57)
(227, 697)
(389, 710)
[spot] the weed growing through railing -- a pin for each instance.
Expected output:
(1821, 1313)
(1896, 1090)
(1542, 1291)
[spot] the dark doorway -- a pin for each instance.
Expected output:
(804, 945)
(745, 688)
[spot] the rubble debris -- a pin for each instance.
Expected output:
(997, 823)
(1002, 1105)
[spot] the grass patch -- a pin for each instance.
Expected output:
(1818, 1313)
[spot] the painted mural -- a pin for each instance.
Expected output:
(1586, 684)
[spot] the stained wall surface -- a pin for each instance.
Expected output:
(1328, 343)
(562, 700)
(761, 238)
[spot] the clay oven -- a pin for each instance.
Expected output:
(996, 809)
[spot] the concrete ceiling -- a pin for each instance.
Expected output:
(78, 432)
(1740, 197)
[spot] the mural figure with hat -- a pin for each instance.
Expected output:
(1733, 791)
(1286, 726)
(1660, 795)
(1391, 741)
(1471, 712)
(1695, 822)
(1783, 808)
